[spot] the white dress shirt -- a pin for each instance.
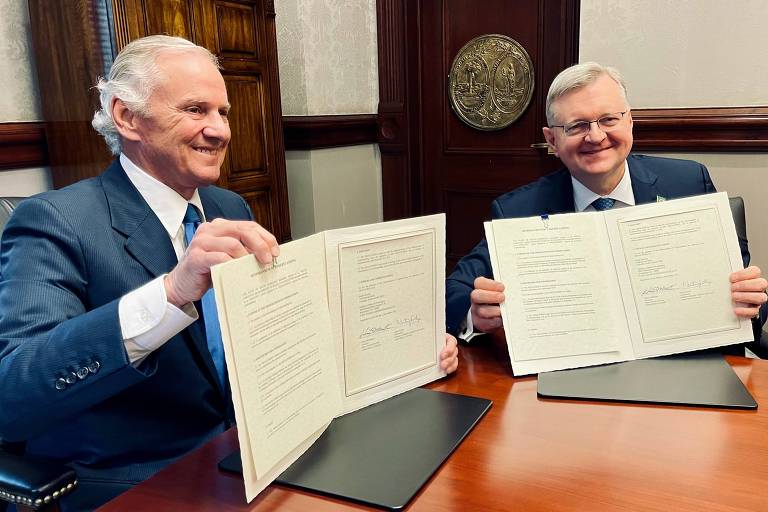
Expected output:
(623, 194)
(147, 319)
(582, 200)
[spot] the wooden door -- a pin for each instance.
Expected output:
(452, 167)
(241, 33)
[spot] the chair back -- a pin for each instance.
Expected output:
(739, 217)
(7, 204)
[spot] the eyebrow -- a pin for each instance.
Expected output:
(191, 101)
(584, 120)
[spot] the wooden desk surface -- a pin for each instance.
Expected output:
(536, 455)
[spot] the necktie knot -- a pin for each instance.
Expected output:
(192, 216)
(190, 223)
(603, 203)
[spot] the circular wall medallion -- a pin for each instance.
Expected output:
(491, 82)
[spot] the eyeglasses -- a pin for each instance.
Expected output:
(607, 123)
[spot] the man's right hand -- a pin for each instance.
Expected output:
(216, 242)
(486, 297)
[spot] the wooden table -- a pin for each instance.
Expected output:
(535, 455)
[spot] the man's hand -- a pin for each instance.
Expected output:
(748, 291)
(486, 297)
(449, 357)
(216, 242)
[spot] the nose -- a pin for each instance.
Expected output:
(217, 127)
(595, 135)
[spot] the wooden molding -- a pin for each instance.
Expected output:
(22, 145)
(315, 132)
(398, 107)
(729, 129)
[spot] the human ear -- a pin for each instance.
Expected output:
(125, 120)
(549, 136)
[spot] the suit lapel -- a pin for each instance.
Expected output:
(559, 194)
(147, 241)
(643, 181)
(146, 238)
(211, 208)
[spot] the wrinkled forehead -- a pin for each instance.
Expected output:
(188, 73)
(176, 64)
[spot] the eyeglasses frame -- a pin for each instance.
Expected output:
(589, 124)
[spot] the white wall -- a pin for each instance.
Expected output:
(24, 182)
(19, 101)
(328, 66)
(689, 53)
(325, 177)
(681, 53)
(328, 56)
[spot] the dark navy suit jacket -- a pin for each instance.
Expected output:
(66, 258)
(651, 177)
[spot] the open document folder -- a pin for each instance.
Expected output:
(629, 283)
(343, 319)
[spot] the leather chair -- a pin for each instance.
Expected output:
(760, 346)
(32, 484)
(7, 204)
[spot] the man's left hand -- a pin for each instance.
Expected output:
(449, 356)
(748, 291)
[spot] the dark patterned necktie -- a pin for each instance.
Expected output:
(603, 203)
(210, 317)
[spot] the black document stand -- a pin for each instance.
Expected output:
(685, 379)
(381, 455)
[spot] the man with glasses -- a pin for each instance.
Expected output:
(590, 130)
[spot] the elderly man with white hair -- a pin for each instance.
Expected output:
(110, 355)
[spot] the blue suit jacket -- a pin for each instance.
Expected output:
(66, 258)
(651, 177)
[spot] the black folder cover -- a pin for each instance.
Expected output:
(684, 379)
(381, 455)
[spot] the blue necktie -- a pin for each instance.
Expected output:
(603, 203)
(210, 317)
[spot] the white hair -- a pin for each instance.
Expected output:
(132, 78)
(576, 77)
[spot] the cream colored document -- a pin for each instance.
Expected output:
(628, 283)
(343, 319)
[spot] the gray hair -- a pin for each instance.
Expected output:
(133, 77)
(576, 77)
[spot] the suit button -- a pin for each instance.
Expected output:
(71, 378)
(61, 383)
(82, 373)
(94, 367)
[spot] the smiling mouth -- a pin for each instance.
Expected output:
(595, 151)
(207, 151)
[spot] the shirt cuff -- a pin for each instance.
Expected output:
(467, 329)
(148, 320)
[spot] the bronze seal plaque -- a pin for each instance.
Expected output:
(491, 82)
